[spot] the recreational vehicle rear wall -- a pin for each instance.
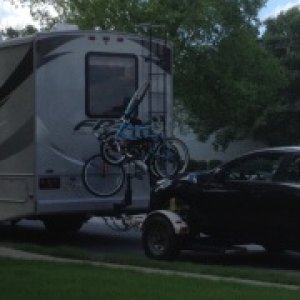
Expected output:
(50, 83)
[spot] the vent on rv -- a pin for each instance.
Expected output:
(64, 27)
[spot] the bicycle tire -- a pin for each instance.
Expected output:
(165, 153)
(152, 169)
(111, 150)
(102, 179)
(184, 154)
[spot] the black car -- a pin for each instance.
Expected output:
(252, 199)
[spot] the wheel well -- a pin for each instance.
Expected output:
(156, 215)
(178, 225)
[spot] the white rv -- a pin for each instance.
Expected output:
(52, 86)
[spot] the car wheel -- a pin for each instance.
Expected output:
(159, 239)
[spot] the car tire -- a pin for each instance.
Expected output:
(159, 239)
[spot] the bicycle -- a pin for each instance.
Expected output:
(103, 179)
(104, 174)
(165, 157)
(99, 177)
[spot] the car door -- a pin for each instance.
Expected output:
(285, 198)
(235, 195)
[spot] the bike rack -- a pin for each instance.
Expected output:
(156, 58)
(127, 200)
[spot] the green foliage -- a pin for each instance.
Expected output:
(282, 39)
(11, 32)
(231, 87)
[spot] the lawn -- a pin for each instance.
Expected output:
(42, 280)
(292, 278)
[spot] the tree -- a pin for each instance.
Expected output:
(224, 78)
(282, 38)
(11, 32)
(236, 85)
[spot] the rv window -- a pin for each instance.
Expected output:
(111, 82)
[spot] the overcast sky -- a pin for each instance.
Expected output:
(20, 16)
(14, 16)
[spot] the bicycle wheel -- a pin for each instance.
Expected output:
(102, 179)
(111, 150)
(166, 160)
(183, 151)
(152, 169)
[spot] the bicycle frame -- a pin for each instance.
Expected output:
(155, 139)
(144, 132)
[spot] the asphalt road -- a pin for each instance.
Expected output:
(94, 236)
(97, 239)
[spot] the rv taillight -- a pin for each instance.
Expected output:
(49, 183)
(120, 39)
(92, 38)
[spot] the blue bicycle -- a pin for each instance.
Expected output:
(132, 140)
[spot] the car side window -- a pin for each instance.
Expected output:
(293, 171)
(258, 167)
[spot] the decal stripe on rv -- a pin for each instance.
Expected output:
(25, 67)
(17, 142)
(22, 71)
(49, 44)
(52, 57)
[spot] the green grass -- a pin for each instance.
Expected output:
(194, 267)
(41, 280)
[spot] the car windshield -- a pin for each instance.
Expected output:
(257, 167)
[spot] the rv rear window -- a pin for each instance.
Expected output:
(111, 82)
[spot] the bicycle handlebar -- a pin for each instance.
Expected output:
(102, 123)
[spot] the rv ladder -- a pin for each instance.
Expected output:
(156, 59)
